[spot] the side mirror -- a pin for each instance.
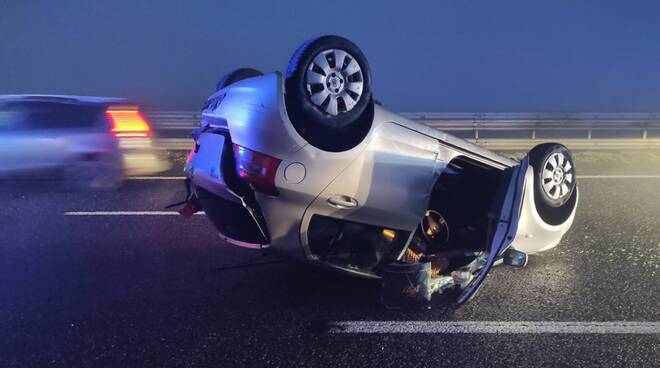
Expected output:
(515, 258)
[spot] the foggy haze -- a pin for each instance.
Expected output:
(425, 56)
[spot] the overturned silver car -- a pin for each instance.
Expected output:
(309, 166)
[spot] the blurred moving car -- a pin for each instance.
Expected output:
(90, 142)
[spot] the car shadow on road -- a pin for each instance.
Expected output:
(316, 295)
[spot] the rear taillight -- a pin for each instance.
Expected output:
(256, 169)
(128, 123)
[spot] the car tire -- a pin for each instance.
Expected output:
(555, 181)
(235, 76)
(328, 93)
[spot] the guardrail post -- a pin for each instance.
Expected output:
(475, 125)
(644, 134)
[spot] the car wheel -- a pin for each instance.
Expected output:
(555, 181)
(235, 76)
(328, 93)
(90, 175)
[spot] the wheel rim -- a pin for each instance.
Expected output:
(334, 81)
(558, 176)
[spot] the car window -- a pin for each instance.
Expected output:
(11, 117)
(46, 115)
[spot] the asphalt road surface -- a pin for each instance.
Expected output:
(147, 289)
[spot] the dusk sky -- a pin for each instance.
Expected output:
(435, 56)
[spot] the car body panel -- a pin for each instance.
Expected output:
(253, 110)
(204, 166)
(37, 151)
(23, 151)
(400, 157)
(456, 144)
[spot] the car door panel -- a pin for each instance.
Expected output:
(387, 185)
(505, 228)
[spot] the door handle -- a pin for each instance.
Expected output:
(342, 201)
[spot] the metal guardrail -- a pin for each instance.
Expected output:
(177, 120)
(507, 145)
(476, 124)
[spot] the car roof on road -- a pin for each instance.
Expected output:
(65, 99)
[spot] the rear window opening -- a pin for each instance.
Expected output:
(353, 245)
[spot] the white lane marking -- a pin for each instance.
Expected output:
(495, 327)
(155, 178)
(125, 213)
(618, 176)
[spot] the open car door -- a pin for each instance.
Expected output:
(504, 229)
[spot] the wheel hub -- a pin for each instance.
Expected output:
(558, 175)
(334, 81)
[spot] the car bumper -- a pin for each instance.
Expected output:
(238, 218)
(140, 157)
